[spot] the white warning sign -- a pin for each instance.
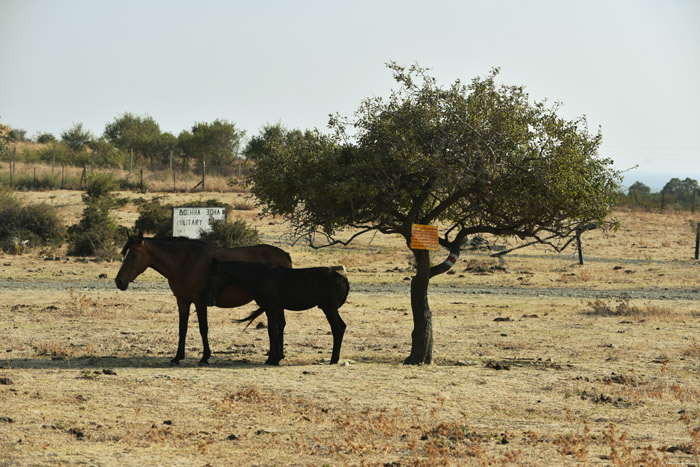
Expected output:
(190, 222)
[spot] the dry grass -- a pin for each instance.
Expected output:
(543, 380)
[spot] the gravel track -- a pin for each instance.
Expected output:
(400, 288)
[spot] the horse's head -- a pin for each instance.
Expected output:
(135, 261)
(215, 284)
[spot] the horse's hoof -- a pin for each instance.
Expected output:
(174, 362)
(272, 363)
(203, 363)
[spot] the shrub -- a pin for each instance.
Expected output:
(96, 232)
(99, 185)
(40, 224)
(225, 234)
(155, 218)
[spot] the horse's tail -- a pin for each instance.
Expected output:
(251, 317)
(347, 289)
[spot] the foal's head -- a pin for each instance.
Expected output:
(135, 261)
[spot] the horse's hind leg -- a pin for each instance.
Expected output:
(338, 330)
(273, 331)
(204, 332)
(183, 309)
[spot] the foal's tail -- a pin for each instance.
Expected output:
(347, 289)
(251, 317)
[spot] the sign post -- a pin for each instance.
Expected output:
(424, 237)
(192, 221)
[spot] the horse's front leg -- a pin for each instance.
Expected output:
(204, 332)
(183, 309)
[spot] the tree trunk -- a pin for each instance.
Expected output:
(422, 336)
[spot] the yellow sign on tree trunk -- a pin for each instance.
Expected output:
(424, 237)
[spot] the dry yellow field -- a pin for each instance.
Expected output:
(538, 361)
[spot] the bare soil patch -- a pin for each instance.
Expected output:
(538, 361)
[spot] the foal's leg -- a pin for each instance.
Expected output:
(273, 331)
(183, 309)
(280, 326)
(338, 330)
(204, 332)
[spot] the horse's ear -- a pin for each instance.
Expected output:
(140, 237)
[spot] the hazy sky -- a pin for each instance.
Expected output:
(631, 67)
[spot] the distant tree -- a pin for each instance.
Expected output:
(167, 145)
(640, 188)
(4, 139)
(76, 137)
(217, 142)
(45, 138)
(472, 159)
(270, 136)
(108, 155)
(680, 191)
(134, 133)
(638, 193)
(17, 135)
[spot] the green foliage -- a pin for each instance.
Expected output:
(270, 137)
(229, 234)
(45, 138)
(155, 218)
(133, 133)
(480, 158)
(38, 223)
(96, 232)
(218, 142)
(76, 137)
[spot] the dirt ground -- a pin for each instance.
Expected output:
(538, 360)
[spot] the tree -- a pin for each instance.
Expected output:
(45, 138)
(134, 133)
(681, 191)
(639, 191)
(217, 143)
(471, 159)
(76, 137)
(270, 136)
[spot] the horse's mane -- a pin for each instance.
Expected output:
(133, 240)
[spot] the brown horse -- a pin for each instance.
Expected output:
(185, 263)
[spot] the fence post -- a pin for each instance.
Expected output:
(697, 240)
(53, 157)
(63, 168)
(141, 182)
(204, 171)
(11, 175)
(695, 192)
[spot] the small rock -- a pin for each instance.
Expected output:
(6, 381)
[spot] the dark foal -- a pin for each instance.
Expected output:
(275, 289)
